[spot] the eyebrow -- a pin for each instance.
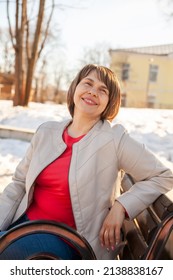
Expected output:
(102, 86)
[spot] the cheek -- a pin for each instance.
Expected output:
(76, 96)
(105, 103)
(104, 108)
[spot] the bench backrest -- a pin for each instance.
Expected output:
(150, 234)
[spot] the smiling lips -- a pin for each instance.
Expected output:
(89, 101)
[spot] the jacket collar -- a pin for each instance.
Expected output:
(58, 145)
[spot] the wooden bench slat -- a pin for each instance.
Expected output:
(142, 233)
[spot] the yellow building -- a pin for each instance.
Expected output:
(146, 75)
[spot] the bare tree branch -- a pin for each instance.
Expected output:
(34, 51)
(38, 28)
(47, 28)
(10, 28)
(27, 44)
(28, 39)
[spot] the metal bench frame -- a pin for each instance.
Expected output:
(61, 230)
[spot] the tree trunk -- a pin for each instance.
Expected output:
(25, 60)
(34, 53)
(19, 55)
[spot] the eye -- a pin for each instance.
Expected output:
(87, 83)
(103, 91)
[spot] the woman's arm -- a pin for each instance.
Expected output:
(14, 192)
(151, 177)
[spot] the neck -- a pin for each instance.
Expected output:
(80, 126)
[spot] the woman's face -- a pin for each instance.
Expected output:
(91, 96)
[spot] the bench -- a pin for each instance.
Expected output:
(69, 235)
(150, 235)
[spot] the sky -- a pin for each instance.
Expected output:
(153, 127)
(113, 23)
(116, 23)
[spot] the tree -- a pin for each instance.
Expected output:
(7, 52)
(96, 55)
(28, 43)
(166, 7)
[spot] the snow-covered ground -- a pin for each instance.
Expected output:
(153, 127)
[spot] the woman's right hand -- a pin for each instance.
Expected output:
(110, 233)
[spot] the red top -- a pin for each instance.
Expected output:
(51, 199)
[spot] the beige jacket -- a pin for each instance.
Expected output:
(96, 161)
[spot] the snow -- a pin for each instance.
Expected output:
(153, 127)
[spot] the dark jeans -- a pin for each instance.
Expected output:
(32, 244)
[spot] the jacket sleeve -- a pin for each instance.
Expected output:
(151, 177)
(14, 191)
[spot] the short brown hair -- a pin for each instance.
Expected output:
(109, 79)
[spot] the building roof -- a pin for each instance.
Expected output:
(154, 50)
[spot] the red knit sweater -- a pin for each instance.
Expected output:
(51, 199)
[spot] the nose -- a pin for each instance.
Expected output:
(93, 92)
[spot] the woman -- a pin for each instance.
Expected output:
(70, 171)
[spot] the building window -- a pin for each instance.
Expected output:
(153, 73)
(125, 71)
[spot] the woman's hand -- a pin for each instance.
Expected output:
(111, 228)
